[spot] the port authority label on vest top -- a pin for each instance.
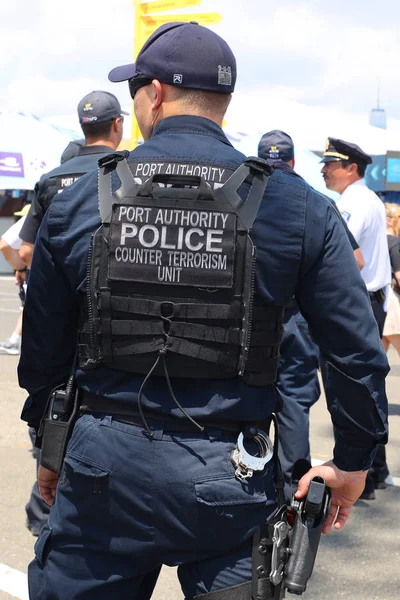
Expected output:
(215, 176)
(65, 181)
(172, 246)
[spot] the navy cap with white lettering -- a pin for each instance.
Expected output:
(276, 145)
(99, 107)
(186, 55)
(336, 150)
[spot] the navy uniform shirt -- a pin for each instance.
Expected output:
(56, 181)
(302, 250)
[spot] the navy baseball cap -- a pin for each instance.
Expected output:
(336, 150)
(99, 107)
(185, 55)
(276, 145)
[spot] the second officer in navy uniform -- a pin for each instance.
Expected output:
(149, 288)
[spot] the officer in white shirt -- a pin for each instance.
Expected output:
(343, 171)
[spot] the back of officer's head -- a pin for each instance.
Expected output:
(276, 146)
(101, 118)
(183, 68)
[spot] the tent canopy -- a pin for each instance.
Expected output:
(29, 147)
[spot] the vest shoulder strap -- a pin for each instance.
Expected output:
(114, 162)
(255, 170)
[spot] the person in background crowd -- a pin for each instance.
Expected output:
(344, 166)
(101, 119)
(37, 511)
(298, 366)
(10, 244)
(391, 329)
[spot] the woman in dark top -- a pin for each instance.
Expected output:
(391, 330)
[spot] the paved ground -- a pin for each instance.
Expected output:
(360, 563)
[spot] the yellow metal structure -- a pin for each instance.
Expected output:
(148, 20)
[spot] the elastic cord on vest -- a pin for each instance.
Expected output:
(161, 355)
(278, 475)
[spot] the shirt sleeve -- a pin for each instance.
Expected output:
(333, 298)
(33, 218)
(352, 240)
(46, 356)
(355, 218)
(12, 235)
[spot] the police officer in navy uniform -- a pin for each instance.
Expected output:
(148, 477)
(101, 119)
(298, 366)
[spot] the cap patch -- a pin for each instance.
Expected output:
(274, 152)
(224, 75)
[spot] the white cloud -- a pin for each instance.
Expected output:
(58, 51)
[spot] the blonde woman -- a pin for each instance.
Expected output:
(391, 330)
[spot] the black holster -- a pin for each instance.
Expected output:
(284, 550)
(59, 420)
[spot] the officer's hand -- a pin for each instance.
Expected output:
(47, 482)
(346, 488)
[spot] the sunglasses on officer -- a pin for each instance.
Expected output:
(136, 83)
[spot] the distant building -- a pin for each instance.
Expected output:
(378, 118)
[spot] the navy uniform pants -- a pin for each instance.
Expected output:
(299, 387)
(127, 503)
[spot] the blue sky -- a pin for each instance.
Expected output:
(317, 53)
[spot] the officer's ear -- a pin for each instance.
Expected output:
(157, 94)
(352, 169)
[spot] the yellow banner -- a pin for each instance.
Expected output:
(165, 5)
(201, 18)
(147, 21)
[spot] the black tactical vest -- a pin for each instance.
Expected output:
(171, 275)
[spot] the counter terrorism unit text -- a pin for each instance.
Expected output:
(181, 246)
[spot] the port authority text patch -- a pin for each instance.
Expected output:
(64, 181)
(172, 246)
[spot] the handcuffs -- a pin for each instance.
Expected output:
(246, 463)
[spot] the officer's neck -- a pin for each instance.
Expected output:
(172, 109)
(348, 183)
(101, 143)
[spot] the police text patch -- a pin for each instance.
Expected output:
(172, 245)
(64, 181)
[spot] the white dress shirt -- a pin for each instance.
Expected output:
(365, 216)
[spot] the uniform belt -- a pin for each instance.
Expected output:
(94, 404)
(378, 296)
